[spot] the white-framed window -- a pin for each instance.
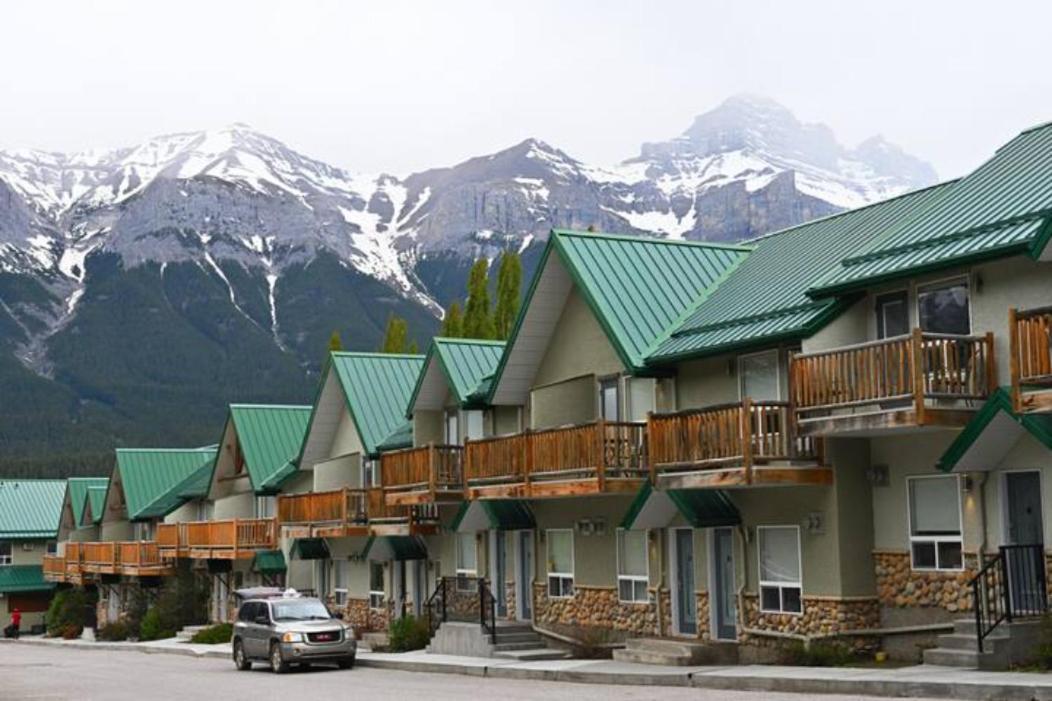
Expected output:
(376, 585)
(610, 398)
(759, 376)
(467, 560)
(893, 314)
(560, 563)
(205, 510)
(781, 587)
(51, 547)
(142, 530)
(339, 581)
(266, 506)
(6, 557)
(934, 513)
(474, 426)
(642, 397)
(452, 429)
(370, 473)
(943, 307)
(632, 567)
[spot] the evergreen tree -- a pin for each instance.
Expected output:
(478, 320)
(335, 343)
(395, 335)
(413, 347)
(509, 280)
(453, 322)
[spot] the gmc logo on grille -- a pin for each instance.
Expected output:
(322, 637)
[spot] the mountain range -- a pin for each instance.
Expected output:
(143, 288)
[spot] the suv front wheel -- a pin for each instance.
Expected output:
(278, 665)
(240, 660)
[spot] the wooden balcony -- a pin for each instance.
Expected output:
(1030, 338)
(143, 559)
(54, 567)
(745, 444)
(352, 512)
(332, 514)
(229, 539)
(908, 382)
(427, 475)
(74, 557)
(595, 458)
(100, 558)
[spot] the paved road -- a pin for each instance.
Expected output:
(39, 673)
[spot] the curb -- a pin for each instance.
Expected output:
(966, 691)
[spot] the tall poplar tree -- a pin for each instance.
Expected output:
(509, 280)
(395, 335)
(453, 322)
(478, 321)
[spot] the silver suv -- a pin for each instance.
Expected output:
(286, 629)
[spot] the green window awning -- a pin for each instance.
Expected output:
(701, 508)
(15, 579)
(494, 515)
(309, 549)
(269, 562)
(994, 430)
(392, 547)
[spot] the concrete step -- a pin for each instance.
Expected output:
(513, 627)
(524, 637)
(642, 656)
(534, 654)
(672, 647)
(948, 657)
(509, 647)
(188, 632)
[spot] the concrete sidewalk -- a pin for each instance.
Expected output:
(922, 680)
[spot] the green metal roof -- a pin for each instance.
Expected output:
(151, 476)
(15, 579)
(394, 547)
(309, 549)
(401, 437)
(493, 514)
(465, 363)
(270, 437)
(1002, 208)
(701, 508)
(992, 432)
(30, 509)
(377, 387)
(78, 495)
(765, 299)
(639, 288)
(97, 501)
(269, 562)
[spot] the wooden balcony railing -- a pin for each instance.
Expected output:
(740, 434)
(101, 557)
(1030, 338)
(54, 568)
(389, 519)
(434, 471)
(140, 556)
(920, 371)
(598, 451)
(343, 506)
(224, 539)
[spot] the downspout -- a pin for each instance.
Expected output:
(982, 516)
(662, 579)
(743, 535)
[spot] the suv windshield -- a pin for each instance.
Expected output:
(299, 610)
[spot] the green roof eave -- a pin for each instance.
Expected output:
(751, 344)
(1037, 425)
(369, 450)
(269, 562)
(16, 579)
(821, 290)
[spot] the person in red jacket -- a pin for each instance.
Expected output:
(12, 630)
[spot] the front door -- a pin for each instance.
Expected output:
(524, 576)
(498, 565)
(1024, 527)
(686, 610)
(724, 612)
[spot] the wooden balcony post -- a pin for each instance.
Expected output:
(648, 437)
(991, 365)
(917, 370)
(236, 529)
(746, 437)
(432, 468)
(601, 455)
(1013, 358)
(526, 450)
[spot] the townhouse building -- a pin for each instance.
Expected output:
(839, 431)
(30, 511)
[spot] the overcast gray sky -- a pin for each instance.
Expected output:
(400, 86)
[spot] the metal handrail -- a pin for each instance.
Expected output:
(1010, 585)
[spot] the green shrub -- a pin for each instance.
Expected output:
(1043, 650)
(819, 654)
(112, 632)
(155, 626)
(68, 609)
(214, 635)
(408, 633)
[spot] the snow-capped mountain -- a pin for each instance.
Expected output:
(203, 244)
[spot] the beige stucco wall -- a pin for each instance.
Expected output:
(28, 552)
(505, 420)
(571, 401)
(337, 473)
(705, 382)
(238, 505)
(115, 530)
(427, 427)
(346, 440)
(578, 346)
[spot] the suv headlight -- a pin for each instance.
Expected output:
(292, 638)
